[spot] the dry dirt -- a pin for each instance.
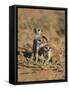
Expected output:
(52, 23)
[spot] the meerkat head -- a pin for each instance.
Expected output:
(37, 30)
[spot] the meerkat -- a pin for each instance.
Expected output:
(38, 43)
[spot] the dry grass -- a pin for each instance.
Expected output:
(53, 25)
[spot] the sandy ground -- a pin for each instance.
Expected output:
(52, 23)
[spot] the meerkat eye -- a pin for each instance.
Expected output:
(38, 29)
(34, 30)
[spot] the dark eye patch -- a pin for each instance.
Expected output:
(38, 29)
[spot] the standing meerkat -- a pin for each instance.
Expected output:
(38, 43)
